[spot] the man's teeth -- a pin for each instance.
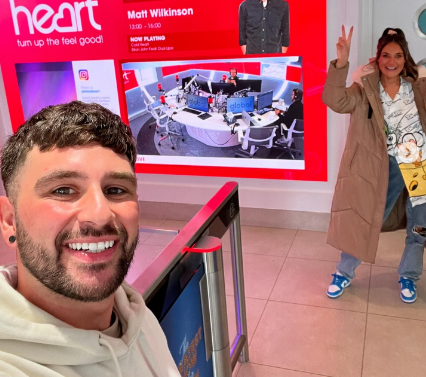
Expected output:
(93, 247)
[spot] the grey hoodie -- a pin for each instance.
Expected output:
(34, 343)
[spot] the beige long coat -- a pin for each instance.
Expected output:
(360, 195)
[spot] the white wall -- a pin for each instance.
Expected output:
(5, 124)
(257, 193)
(399, 13)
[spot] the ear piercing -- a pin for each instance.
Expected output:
(12, 239)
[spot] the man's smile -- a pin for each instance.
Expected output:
(91, 247)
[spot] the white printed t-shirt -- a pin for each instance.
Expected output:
(405, 137)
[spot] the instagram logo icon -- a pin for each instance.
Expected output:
(83, 74)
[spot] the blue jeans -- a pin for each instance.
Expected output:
(411, 265)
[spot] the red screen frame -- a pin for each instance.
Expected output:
(213, 34)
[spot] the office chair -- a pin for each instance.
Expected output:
(294, 132)
(164, 121)
(254, 138)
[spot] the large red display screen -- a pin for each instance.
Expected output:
(167, 66)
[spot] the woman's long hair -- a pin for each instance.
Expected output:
(410, 68)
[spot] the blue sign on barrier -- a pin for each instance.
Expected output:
(184, 329)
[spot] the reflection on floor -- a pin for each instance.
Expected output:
(294, 329)
(147, 143)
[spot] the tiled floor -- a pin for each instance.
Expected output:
(294, 329)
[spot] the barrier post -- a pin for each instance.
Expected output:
(241, 346)
(215, 281)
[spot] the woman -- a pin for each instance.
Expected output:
(384, 159)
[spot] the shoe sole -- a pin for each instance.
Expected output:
(408, 301)
(338, 295)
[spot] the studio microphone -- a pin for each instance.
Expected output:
(160, 88)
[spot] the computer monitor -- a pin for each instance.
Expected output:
(227, 88)
(185, 81)
(264, 100)
(238, 105)
(197, 102)
(204, 85)
(254, 85)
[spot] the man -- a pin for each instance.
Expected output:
(233, 78)
(295, 110)
(71, 215)
(264, 26)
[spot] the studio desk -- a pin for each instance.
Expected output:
(214, 131)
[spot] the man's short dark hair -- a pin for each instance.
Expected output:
(298, 94)
(68, 125)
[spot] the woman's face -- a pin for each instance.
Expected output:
(391, 60)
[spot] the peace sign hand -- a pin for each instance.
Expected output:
(343, 47)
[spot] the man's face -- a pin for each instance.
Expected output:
(77, 220)
(292, 96)
(233, 72)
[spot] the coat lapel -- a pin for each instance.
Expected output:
(371, 87)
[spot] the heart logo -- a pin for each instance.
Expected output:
(60, 16)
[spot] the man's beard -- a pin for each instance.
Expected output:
(48, 269)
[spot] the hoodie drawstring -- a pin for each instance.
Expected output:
(104, 342)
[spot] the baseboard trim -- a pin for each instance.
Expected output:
(270, 218)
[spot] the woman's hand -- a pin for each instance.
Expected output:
(343, 47)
